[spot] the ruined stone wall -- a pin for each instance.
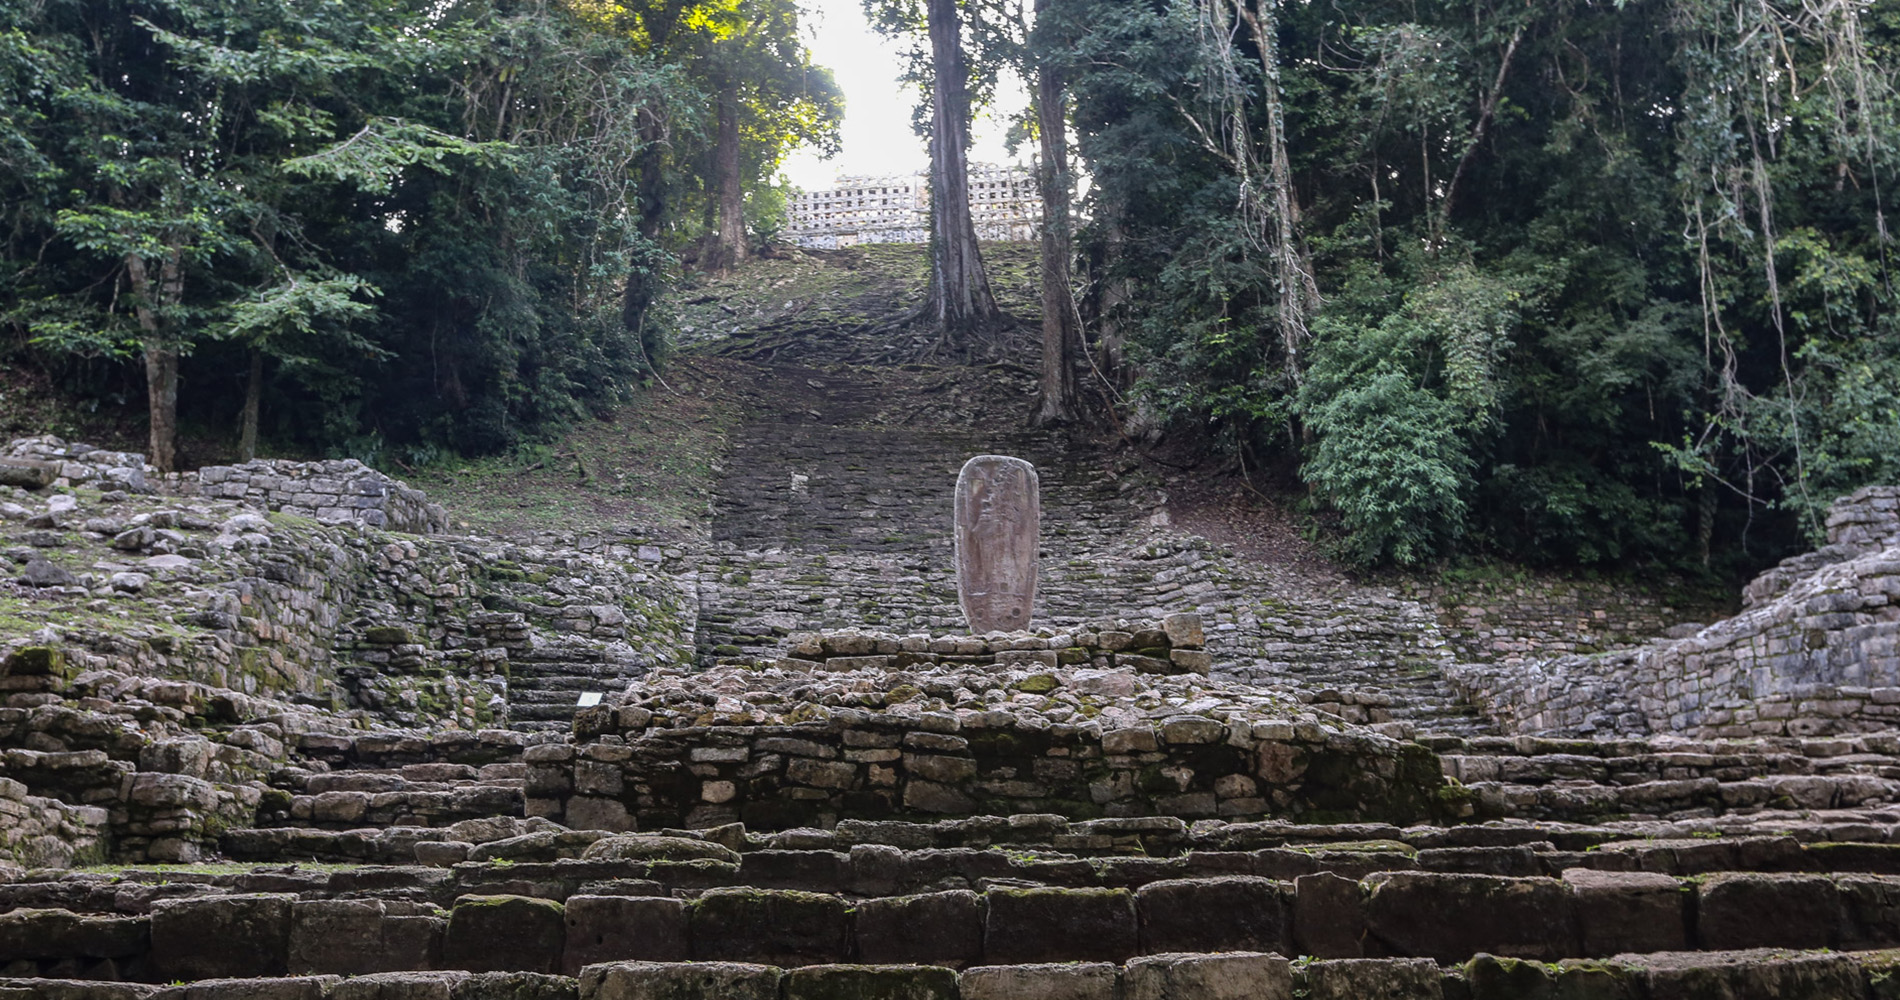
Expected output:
(333, 491)
(1816, 651)
(1004, 205)
(414, 629)
(1513, 620)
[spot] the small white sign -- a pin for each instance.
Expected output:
(588, 699)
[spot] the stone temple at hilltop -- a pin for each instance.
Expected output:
(896, 209)
(771, 765)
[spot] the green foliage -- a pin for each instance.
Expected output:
(1600, 284)
(427, 216)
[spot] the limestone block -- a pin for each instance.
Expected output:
(356, 936)
(648, 847)
(300, 988)
(399, 986)
(1737, 910)
(1628, 911)
(1230, 976)
(505, 933)
(779, 926)
(49, 933)
(516, 986)
(866, 982)
(938, 928)
(1452, 917)
(1373, 979)
(1067, 981)
(1236, 913)
(222, 936)
(692, 981)
(622, 928)
(1059, 925)
(1694, 975)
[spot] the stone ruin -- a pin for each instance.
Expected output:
(333, 491)
(1004, 205)
(377, 734)
(1814, 652)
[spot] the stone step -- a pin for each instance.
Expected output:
(1443, 918)
(1784, 974)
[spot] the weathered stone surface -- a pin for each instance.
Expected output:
(516, 986)
(1230, 976)
(1704, 975)
(296, 988)
(1048, 925)
(779, 926)
(865, 982)
(998, 515)
(1373, 979)
(1329, 916)
(1236, 913)
(505, 933)
(623, 928)
(1741, 910)
(398, 986)
(668, 981)
(222, 936)
(49, 933)
(939, 928)
(1628, 911)
(1452, 917)
(643, 847)
(1067, 981)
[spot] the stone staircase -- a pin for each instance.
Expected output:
(397, 864)
(834, 511)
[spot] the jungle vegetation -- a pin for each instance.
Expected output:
(1582, 282)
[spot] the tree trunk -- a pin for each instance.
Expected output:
(161, 353)
(726, 246)
(643, 279)
(253, 400)
(960, 291)
(161, 389)
(1061, 338)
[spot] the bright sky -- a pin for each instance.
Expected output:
(877, 136)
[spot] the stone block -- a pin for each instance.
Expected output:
(1184, 629)
(870, 982)
(1236, 913)
(670, 981)
(776, 926)
(1488, 977)
(1737, 910)
(1059, 925)
(938, 928)
(356, 936)
(623, 928)
(1329, 916)
(1373, 979)
(1739, 974)
(1453, 917)
(1068, 981)
(217, 937)
(298, 988)
(398, 986)
(44, 933)
(1628, 911)
(515, 986)
(505, 934)
(1231, 976)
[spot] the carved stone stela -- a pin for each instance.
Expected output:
(998, 529)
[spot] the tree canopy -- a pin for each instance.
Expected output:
(1576, 282)
(424, 215)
